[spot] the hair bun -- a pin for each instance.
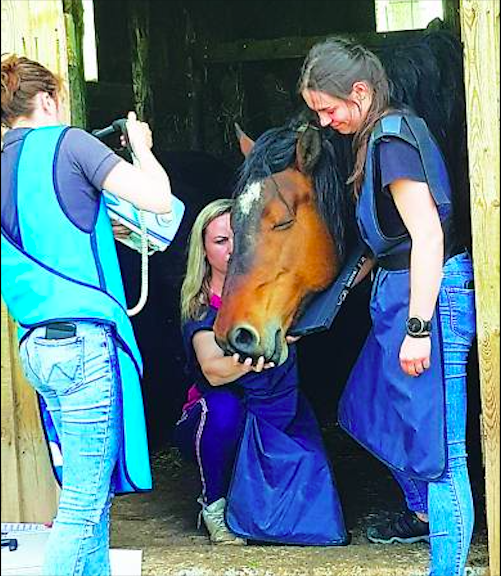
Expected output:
(11, 80)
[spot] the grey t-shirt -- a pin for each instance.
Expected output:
(82, 164)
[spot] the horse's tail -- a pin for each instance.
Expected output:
(427, 76)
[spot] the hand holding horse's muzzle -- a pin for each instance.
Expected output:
(245, 341)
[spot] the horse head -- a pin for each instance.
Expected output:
(288, 223)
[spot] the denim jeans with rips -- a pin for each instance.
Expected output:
(78, 379)
(448, 501)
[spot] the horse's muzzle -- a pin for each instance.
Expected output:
(246, 341)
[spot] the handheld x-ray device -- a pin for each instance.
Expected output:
(149, 232)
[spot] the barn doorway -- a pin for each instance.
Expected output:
(204, 63)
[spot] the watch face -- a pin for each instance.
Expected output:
(414, 325)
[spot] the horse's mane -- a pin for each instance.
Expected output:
(427, 76)
(275, 151)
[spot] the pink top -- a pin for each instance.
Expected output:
(194, 394)
(193, 397)
(215, 301)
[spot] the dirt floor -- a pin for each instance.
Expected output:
(163, 525)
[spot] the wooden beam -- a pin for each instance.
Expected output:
(291, 47)
(480, 34)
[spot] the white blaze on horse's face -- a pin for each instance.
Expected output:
(249, 196)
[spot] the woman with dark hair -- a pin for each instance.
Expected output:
(61, 282)
(405, 400)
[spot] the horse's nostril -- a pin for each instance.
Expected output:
(244, 339)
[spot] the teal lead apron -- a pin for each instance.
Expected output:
(57, 272)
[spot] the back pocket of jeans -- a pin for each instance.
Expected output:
(462, 309)
(59, 363)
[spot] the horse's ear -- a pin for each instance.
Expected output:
(246, 143)
(308, 148)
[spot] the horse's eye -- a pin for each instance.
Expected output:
(283, 225)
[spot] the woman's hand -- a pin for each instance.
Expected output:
(218, 368)
(247, 365)
(120, 232)
(415, 355)
(139, 134)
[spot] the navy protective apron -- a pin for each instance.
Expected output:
(64, 274)
(398, 418)
(282, 488)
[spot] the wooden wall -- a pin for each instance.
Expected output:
(480, 33)
(195, 102)
(29, 492)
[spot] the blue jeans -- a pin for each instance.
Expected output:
(448, 501)
(77, 377)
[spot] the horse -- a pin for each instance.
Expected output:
(291, 235)
(293, 213)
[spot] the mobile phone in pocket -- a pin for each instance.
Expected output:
(60, 330)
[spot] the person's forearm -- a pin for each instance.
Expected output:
(220, 371)
(160, 183)
(427, 256)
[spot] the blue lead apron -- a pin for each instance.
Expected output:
(398, 418)
(282, 488)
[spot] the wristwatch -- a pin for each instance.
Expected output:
(417, 327)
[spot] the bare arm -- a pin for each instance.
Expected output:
(218, 368)
(419, 214)
(145, 184)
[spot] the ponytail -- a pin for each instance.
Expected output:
(333, 66)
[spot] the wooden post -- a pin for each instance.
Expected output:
(194, 84)
(451, 15)
(73, 17)
(139, 30)
(480, 34)
(11, 499)
(34, 28)
(29, 491)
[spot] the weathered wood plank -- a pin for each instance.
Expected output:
(11, 499)
(34, 28)
(74, 24)
(480, 33)
(451, 15)
(291, 47)
(139, 30)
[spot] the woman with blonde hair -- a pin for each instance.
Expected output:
(229, 398)
(196, 290)
(212, 419)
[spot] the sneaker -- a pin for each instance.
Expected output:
(403, 527)
(219, 533)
